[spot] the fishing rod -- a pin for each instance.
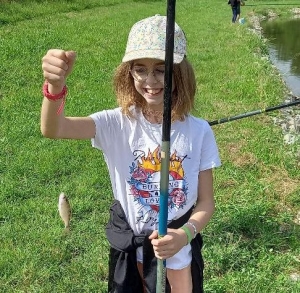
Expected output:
(259, 111)
(165, 146)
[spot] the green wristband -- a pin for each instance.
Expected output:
(188, 233)
(194, 228)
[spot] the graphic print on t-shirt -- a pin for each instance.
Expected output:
(145, 184)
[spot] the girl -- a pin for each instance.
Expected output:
(130, 138)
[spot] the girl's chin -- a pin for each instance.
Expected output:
(155, 103)
(153, 99)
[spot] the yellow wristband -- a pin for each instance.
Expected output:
(188, 233)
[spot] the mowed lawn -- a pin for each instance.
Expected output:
(252, 243)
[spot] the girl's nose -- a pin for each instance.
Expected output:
(151, 77)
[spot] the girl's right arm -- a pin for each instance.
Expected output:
(57, 65)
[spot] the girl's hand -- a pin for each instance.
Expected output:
(57, 65)
(168, 245)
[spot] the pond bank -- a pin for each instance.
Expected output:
(288, 118)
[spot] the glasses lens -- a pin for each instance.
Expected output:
(139, 73)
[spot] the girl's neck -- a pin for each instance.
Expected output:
(153, 116)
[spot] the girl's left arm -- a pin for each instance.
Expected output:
(205, 205)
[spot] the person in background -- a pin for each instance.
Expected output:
(236, 9)
(130, 138)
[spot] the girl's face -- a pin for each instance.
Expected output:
(148, 75)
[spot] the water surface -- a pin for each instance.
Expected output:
(284, 49)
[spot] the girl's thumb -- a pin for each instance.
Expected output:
(153, 235)
(71, 56)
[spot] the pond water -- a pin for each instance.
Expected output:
(284, 49)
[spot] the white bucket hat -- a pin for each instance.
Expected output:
(147, 39)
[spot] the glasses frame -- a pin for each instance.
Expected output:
(136, 78)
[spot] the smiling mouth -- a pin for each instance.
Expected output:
(153, 91)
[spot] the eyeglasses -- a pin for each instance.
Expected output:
(140, 73)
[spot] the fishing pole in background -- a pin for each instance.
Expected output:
(255, 112)
(165, 146)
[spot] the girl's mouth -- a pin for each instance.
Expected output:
(153, 91)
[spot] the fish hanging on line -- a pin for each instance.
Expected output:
(64, 209)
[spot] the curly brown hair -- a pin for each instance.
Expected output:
(183, 95)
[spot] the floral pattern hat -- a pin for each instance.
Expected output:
(147, 39)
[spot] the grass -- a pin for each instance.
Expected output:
(251, 244)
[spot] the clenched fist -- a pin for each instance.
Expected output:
(57, 65)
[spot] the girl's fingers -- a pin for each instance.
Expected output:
(57, 53)
(54, 78)
(53, 69)
(163, 254)
(57, 64)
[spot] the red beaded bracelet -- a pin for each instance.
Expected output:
(55, 97)
(62, 95)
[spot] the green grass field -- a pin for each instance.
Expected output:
(252, 243)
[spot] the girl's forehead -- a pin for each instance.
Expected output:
(148, 62)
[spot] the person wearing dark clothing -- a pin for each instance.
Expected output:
(236, 9)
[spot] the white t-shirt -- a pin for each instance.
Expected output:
(131, 149)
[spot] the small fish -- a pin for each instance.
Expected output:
(64, 209)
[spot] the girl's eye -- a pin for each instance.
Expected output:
(139, 69)
(159, 70)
